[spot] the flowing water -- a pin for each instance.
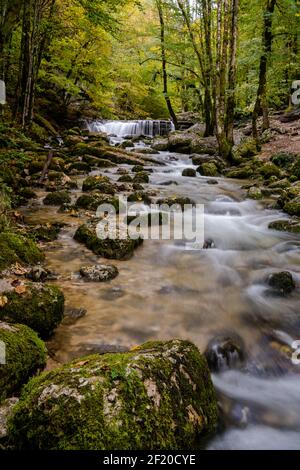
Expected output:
(167, 291)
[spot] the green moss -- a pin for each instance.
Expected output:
(246, 149)
(139, 196)
(293, 207)
(296, 169)
(125, 179)
(269, 169)
(141, 177)
(99, 183)
(285, 226)
(255, 193)
(110, 248)
(179, 201)
(208, 169)
(46, 233)
(159, 396)
(283, 160)
(57, 198)
(17, 248)
(94, 200)
(25, 355)
(244, 172)
(41, 308)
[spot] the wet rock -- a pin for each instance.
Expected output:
(6, 410)
(142, 399)
(47, 232)
(199, 159)
(269, 169)
(208, 244)
(296, 169)
(141, 177)
(179, 201)
(139, 196)
(212, 182)
(119, 247)
(25, 354)
(137, 187)
(39, 306)
(161, 145)
(224, 352)
(149, 220)
(144, 151)
(293, 207)
(57, 198)
(285, 226)
(99, 273)
(189, 172)
(40, 274)
(280, 184)
(137, 168)
(242, 172)
(125, 179)
(255, 193)
(99, 183)
(281, 283)
(208, 169)
(73, 315)
(168, 183)
(95, 199)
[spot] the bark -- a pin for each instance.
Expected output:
(164, 63)
(261, 104)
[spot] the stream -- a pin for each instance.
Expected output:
(168, 290)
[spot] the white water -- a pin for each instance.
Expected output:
(119, 129)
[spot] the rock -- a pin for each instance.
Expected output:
(57, 198)
(296, 169)
(40, 306)
(225, 352)
(137, 168)
(208, 169)
(293, 207)
(95, 199)
(125, 179)
(190, 172)
(285, 226)
(199, 159)
(242, 172)
(246, 149)
(121, 247)
(72, 315)
(179, 201)
(213, 182)
(283, 160)
(168, 183)
(40, 274)
(158, 396)
(269, 169)
(114, 155)
(149, 220)
(205, 145)
(24, 355)
(208, 244)
(46, 232)
(139, 196)
(99, 273)
(99, 183)
(282, 283)
(137, 187)
(255, 193)
(141, 177)
(144, 151)
(161, 145)
(81, 167)
(15, 248)
(280, 184)
(6, 409)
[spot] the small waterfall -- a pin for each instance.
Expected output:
(122, 129)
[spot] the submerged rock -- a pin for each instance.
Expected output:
(40, 274)
(24, 355)
(208, 244)
(285, 226)
(157, 396)
(282, 283)
(179, 201)
(39, 306)
(99, 272)
(225, 352)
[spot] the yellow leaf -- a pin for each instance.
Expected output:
(3, 301)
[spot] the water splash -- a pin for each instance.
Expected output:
(146, 128)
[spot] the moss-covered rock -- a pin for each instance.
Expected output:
(17, 248)
(208, 169)
(246, 149)
(283, 160)
(137, 168)
(282, 283)
(139, 196)
(119, 247)
(158, 396)
(46, 233)
(99, 183)
(125, 179)
(93, 200)
(269, 169)
(57, 198)
(285, 226)
(25, 354)
(179, 201)
(40, 306)
(255, 193)
(243, 172)
(295, 171)
(189, 172)
(141, 177)
(293, 207)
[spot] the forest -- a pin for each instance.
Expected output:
(141, 113)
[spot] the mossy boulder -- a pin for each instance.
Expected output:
(285, 226)
(121, 246)
(283, 160)
(246, 149)
(139, 196)
(293, 207)
(158, 396)
(93, 200)
(47, 232)
(125, 179)
(255, 193)
(17, 248)
(208, 169)
(179, 201)
(57, 198)
(295, 171)
(137, 168)
(25, 354)
(189, 172)
(99, 183)
(282, 283)
(269, 169)
(243, 172)
(141, 177)
(40, 306)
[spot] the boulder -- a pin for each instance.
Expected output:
(225, 351)
(39, 306)
(158, 396)
(47, 232)
(269, 169)
(208, 169)
(189, 172)
(141, 177)
(99, 183)
(95, 199)
(99, 272)
(293, 207)
(57, 198)
(281, 283)
(15, 248)
(285, 226)
(119, 247)
(179, 201)
(255, 193)
(283, 160)
(25, 354)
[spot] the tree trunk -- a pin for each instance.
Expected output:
(261, 104)
(164, 63)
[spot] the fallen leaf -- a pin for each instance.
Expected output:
(3, 301)
(20, 289)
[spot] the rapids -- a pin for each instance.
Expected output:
(170, 290)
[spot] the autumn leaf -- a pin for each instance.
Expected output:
(20, 289)
(3, 301)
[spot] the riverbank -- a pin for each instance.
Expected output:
(164, 290)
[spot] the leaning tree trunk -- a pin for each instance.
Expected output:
(164, 63)
(261, 104)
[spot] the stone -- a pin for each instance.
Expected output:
(99, 272)
(282, 283)
(189, 172)
(225, 351)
